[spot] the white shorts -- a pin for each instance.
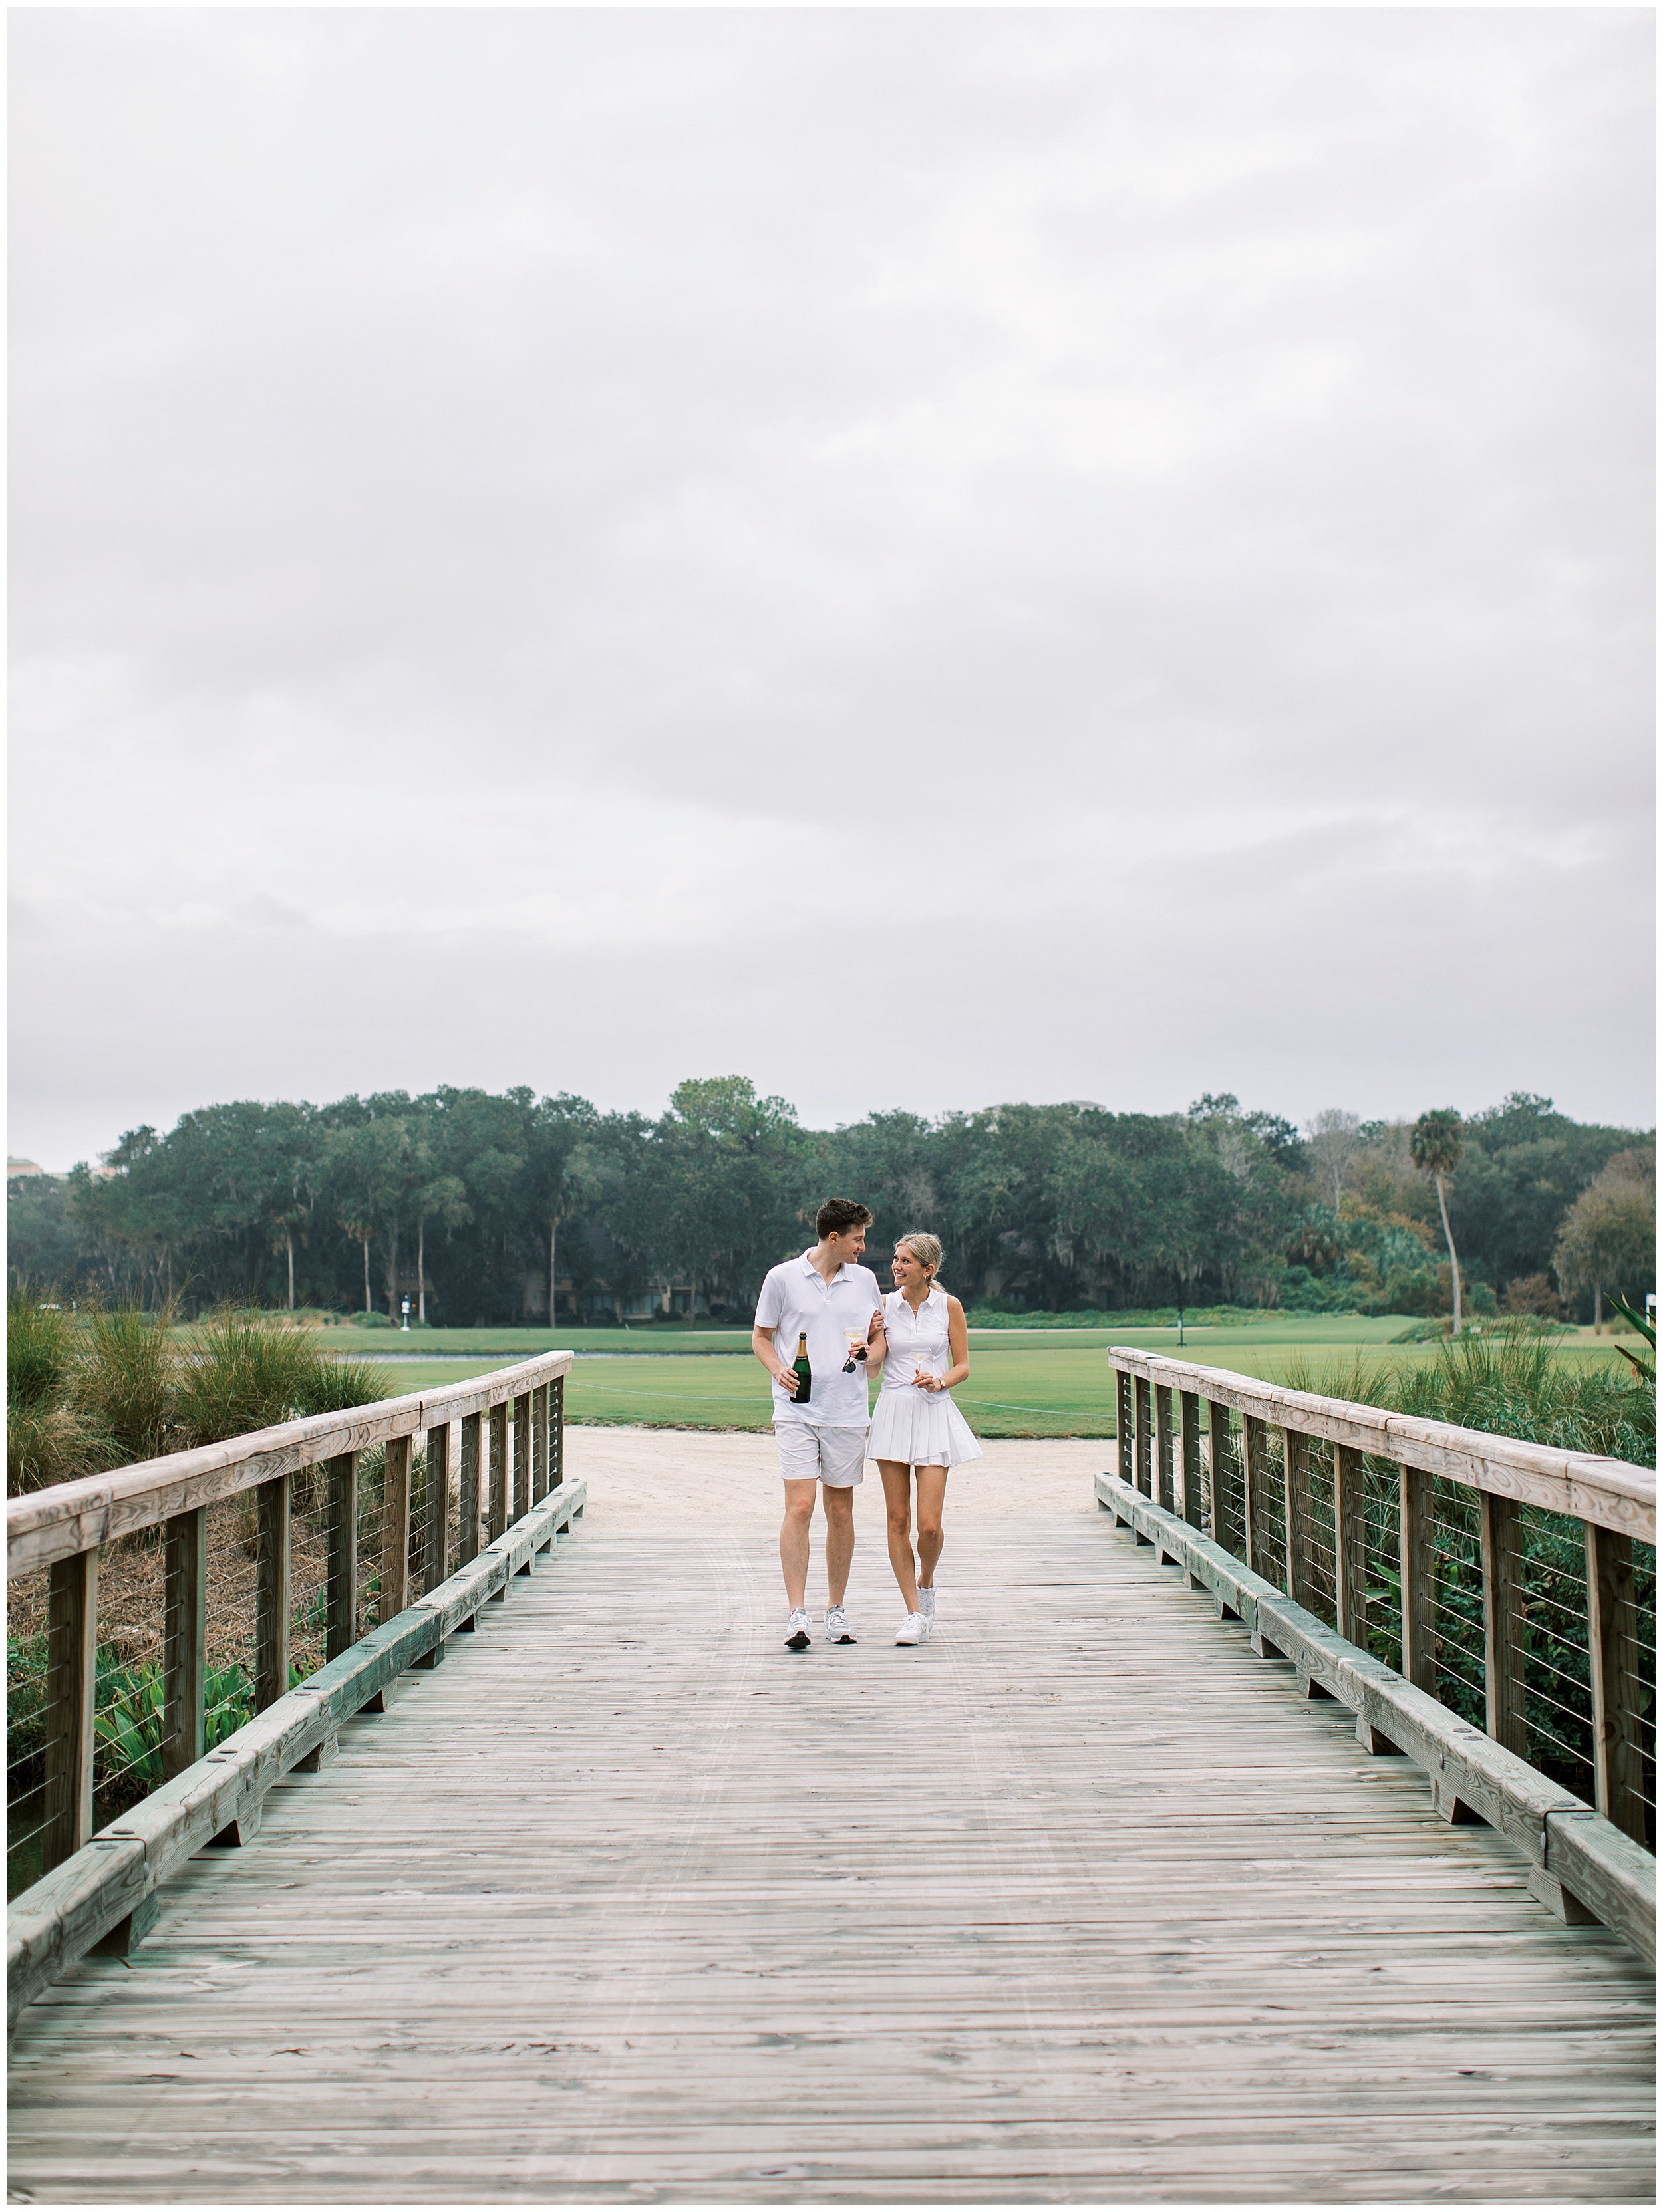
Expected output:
(836, 1457)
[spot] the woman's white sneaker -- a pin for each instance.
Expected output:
(797, 1637)
(915, 1629)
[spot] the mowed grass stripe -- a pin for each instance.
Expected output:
(1022, 1386)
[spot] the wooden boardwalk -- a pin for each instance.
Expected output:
(1077, 1903)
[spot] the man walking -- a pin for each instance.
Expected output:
(834, 1309)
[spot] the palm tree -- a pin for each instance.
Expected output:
(1436, 1147)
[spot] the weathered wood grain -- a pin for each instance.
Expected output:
(78, 1516)
(1610, 1493)
(1077, 1903)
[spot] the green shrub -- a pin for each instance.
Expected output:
(116, 1385)
(125, 1380)
(1510, 1381)
(39, 1349)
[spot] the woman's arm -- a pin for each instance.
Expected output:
(958, 1345)
(877, 1341)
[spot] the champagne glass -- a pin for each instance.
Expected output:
(855, 1339)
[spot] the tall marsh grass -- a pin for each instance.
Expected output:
(110, 1386)
(1513, 1383)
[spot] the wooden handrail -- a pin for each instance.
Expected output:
(1614, 1502)
(63, 1529)
(1610, 1493)
(44, 1526)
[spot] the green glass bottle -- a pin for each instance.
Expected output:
(804, 1373)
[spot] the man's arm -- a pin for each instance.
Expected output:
(762, 1344)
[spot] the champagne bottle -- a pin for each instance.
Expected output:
(804, 1373)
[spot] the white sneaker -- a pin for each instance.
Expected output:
(915, 1629)
(797, 1637)
(926, 1601)
(837, 1626)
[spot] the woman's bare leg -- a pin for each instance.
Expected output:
(932, 1498)
(898, 1497)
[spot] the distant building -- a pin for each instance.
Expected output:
(16, 1168)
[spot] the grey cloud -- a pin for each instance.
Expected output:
(1164, 493)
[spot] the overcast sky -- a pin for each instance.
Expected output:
(923, 557)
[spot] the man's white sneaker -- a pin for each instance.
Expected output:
(837, 1626)
(926, 1601)
(797, 1637)
(915, 1629)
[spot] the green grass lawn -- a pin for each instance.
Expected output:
(1049, 1383)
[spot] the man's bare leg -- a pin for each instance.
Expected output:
(839, 1540)
(898, 1497)
(793, 1540)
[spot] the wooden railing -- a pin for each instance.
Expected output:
(180, 1605)
(1512, 1584)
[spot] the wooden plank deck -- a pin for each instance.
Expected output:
(1077, 1903)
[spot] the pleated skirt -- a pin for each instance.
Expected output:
(920, 1428)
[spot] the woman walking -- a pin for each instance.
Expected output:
(915, 1428)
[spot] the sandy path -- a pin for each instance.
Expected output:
(654, 1479)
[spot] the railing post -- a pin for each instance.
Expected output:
(1122, 1428)
(469, 1547)
(521, 1456)
(1347, 1496)
(1253, 1488)
(1144, 1479)
(497, 1519)
(1189, 1432)
(273, 1502)
(341, 1555)
(395, 1527)
(1220, 1473)
(1414, 1547)
(1611, 1653)
(1295, 1510)
(1498, 1555)
(435, 1502)
(1163, 1446)
(184, 1640)
(540, 1443)
(557, 1432)
(72, 1679)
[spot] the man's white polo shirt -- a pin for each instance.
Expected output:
(796, 1300)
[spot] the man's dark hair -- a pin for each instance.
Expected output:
(839, 1215)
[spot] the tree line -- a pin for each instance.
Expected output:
(512, 1207)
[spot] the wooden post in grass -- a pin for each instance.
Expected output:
(1189, 1427)
(71, 1674)
(273, 1502)
(184, 1639)
(436, 1507)
(1614, 1671)
(341, 1555)
(469, 1547)
(1123, 1461)
(1414, 1565)
(1253, 1487)
(1295, 1513)
(1221, 1475)
(1163, 1446)
(395, 1528)
(521, 1455)
(557, 1432)
(1348, 1500)
(497, 1488)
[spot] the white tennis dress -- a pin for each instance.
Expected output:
(922, 1428)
